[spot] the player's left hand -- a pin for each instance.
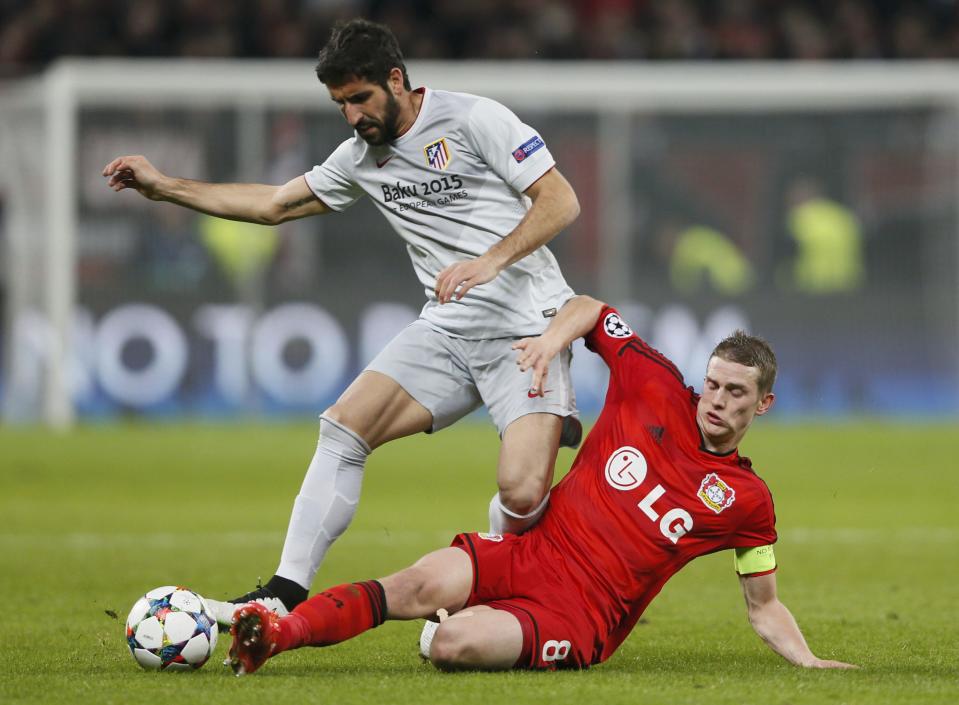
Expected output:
(535, 354)
(827, 663)
(460, 277)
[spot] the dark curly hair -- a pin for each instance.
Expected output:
(360, 49)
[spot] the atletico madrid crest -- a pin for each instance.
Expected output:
(438, 154)
(715, 493)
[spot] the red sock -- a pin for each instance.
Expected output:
(334, 615)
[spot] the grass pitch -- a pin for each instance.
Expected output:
(869, 542)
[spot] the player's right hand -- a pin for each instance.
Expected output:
(826, 663)
(535, 354)
(134, 172)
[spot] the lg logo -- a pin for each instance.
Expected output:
(555, 650)
(626, 468)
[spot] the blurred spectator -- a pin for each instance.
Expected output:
(676, 32)
(35, 32)
(146, 28)
(702, 260)
(828, 239)
(858, 35)
(804, 35)
(911, 34)
(242, 251)
(613, 32)
(741, 32)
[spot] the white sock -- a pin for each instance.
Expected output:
(326, 502)
(505, 521)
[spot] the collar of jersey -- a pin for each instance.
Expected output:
(702, 447)
(414, 128)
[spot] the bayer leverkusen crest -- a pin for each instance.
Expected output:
(715, 493)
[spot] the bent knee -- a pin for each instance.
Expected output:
(345, 416)
(522, 498)
(340, 414)
(452, 647)
(479, 638)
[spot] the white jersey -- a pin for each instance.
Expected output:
(452, 187)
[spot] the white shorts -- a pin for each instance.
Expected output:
(452, 377)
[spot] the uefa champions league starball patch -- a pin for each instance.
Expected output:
(715, 493)
(616, 327)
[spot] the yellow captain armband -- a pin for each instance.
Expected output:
(752, 561)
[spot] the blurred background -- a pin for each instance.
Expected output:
(787, 167)
(36, 32)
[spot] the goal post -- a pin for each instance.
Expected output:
(231, 113)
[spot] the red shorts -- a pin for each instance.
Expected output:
(522, 576)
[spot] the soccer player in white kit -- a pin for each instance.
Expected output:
(475, 194)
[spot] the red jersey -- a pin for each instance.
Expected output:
(644, 497)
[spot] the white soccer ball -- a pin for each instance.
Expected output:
(171, 629)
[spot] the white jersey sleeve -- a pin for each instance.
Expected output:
(333, 181)
(512, 149)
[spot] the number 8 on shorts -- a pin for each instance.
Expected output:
(555, 650)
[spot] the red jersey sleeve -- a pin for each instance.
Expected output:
(628, 356)
(759, 526)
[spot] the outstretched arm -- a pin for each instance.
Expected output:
(574, 320)
(253, 203)
(774, 623)
(554, 207)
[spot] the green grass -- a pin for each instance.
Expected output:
(868, 553)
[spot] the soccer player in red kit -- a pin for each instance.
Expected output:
(657, 483)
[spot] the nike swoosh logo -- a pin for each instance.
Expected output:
(380, 165)
(533, 395)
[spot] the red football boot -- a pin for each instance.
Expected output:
(255, 632)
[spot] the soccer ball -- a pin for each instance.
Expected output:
(171, 629)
